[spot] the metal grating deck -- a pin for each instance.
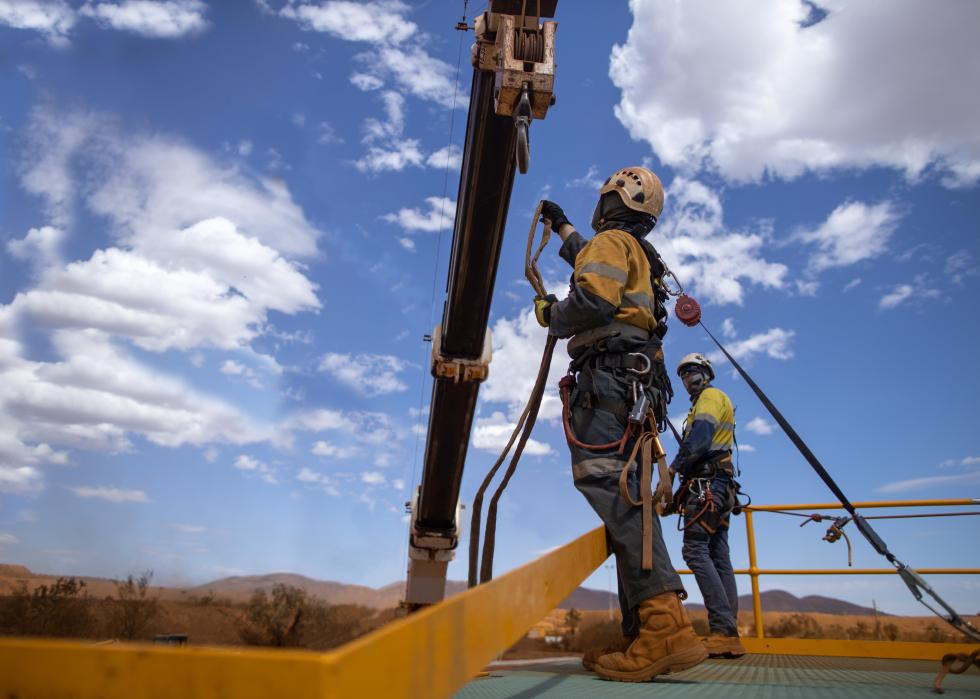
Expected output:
(761, 676)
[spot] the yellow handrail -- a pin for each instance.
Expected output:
(431, 653)
(754, 571)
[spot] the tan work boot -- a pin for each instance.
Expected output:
(666, 643)
(721, 646)
(593, 654)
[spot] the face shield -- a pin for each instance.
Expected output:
(694, 379)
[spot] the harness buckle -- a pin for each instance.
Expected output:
(646, 369)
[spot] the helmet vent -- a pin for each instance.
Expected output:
(639, 198)
(620, 183)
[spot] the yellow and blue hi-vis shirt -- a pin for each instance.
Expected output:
(709, 432)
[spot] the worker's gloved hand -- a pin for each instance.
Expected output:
(542, 308)
(552, 212)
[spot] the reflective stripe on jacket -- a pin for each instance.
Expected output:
(709, 431)
(611, 282)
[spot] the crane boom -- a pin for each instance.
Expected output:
(513, 83)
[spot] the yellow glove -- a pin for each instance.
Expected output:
(542, 309)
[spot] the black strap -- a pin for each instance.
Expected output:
(677, 435)
(916, 584)
(609, 360)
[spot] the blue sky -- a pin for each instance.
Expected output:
(226, 226)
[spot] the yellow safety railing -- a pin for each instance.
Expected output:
(431, 653)
(754, 571)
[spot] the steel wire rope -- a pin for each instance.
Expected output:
(435, 267)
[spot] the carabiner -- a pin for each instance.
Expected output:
(646, 369)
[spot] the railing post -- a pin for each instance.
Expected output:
(754, 574)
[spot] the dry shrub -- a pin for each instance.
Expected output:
(60, 609)
(132, 609)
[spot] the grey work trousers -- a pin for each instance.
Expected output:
(597, 478)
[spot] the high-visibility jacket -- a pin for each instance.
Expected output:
(709, 432)
(611, 283)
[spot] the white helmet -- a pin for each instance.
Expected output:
(699, 360)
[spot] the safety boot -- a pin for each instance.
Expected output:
(721, 646)
(666, 643)
(593, 654)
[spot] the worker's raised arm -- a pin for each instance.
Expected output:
(601, 270)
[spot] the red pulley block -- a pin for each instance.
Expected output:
(687, 310)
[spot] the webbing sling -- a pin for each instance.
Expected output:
(915, 582)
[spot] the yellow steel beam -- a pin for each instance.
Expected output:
(866, 505)
(754, 572)
(429, 654)
(900, 650)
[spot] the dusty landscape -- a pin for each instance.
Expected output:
(291, 610)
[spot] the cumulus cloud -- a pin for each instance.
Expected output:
(367, 374)
(8, 539)
(394, 156)
(324, 448)
(249, 464)
(109, 494)
(774, 343)
(704, 254)
(590, 180)
(450, 157)
(163, 202)
(729, 95)
(53, 19)
(439, 216)
(373, 478)
(853, 232)
(407, 243)
(759, 425)
(491, 434)
(156, 19)
(959, 266)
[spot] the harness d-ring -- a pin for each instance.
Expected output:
(645, 369)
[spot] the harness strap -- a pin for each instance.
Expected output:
(646, 443)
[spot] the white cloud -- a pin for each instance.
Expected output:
(396, 156)
(916, 484)
(398, 484)
(703, 254)
(440, 216)
(323, 448)
(407, 243)
(244, 148)
(917, 291)
(244, 462)
(109, 494)
(774, 343)
(729, 94)
(417, 72)
(491, 434)
(853, 232)
(959, 266)
(51, 18)
(366, 82)
(41, 246)
(373, 478)
(446, 157)
(852, 284)
(896, 296)
(318, 480)
(373, 22)
(157, 19)
(394, 123)
(368, 374)
(590, 180)
(8, 539)
(759, 425)
(221, 280)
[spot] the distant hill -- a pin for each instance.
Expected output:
(240, 587)
(586, 599)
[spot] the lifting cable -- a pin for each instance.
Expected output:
(525, 424)
(688, 311)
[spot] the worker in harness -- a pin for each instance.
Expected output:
(705, 500)
(615, 317)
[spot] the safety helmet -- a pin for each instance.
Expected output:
(639, 189)
(699, 360)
